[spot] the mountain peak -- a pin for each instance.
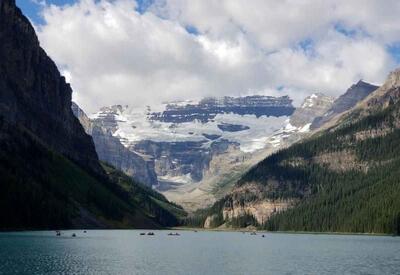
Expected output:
(362, 84)
(313, 106)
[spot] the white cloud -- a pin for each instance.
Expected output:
(115, 55)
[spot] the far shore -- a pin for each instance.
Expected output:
(237, 230)
(248, 230)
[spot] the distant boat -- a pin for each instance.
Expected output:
(263, 236)
(150, 234)
(73, 235)
(253, 233)
(142, 234)
(84, 231)
(58, 233)
(173, 234)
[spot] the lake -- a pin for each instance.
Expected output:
(126, 252)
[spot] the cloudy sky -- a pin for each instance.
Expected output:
(140, 52)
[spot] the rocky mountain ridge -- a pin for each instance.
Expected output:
(355, 94)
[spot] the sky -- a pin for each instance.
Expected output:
(148, 51)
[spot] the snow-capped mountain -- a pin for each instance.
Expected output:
(181, 138)
(185, 149)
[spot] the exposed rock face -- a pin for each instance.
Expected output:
(110, 148)
(313, 106)
(34, 95)
(83, 118)
(388, 93)
(261, 210)
(182, 162)
(208, 108)
(249, 200)
(345, 102)
(209, 221)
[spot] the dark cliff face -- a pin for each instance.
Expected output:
(34, 96)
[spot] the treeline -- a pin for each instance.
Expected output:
(349, 203)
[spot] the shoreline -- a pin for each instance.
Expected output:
(232, 230)
(245, 230)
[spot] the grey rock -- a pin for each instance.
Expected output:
(348, 100)
(313, 106)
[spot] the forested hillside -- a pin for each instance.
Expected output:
(344, 179)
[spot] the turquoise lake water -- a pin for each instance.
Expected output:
(126, 252)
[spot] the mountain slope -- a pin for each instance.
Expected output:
(51, 176)
(345, 178)
(111, 150)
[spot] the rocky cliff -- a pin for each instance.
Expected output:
(34, 95)
(111, 150)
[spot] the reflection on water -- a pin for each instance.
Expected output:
(127, 252)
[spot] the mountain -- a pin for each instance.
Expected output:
(184, 148)
(51, 175)
(342, 179)
(348, 100)
(194, 151)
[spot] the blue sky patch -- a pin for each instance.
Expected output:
(192, 30)
(143, 5)
(32, 8)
